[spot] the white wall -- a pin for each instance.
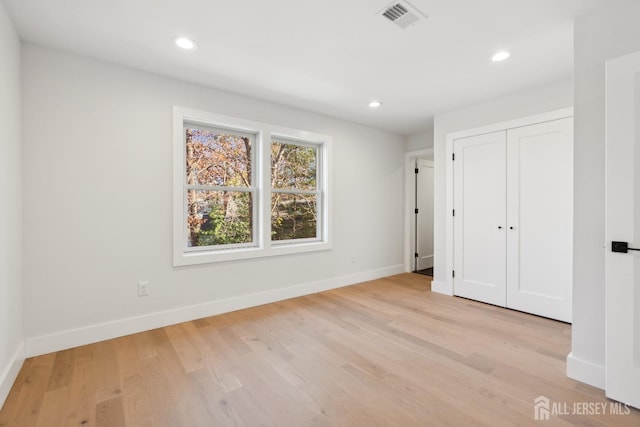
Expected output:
(605, 33)
(521, 104)
(11, 333)
(421, 140)
(98, 179)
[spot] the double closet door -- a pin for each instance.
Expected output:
(513, 209)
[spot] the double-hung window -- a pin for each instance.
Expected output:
(219, 187)
(295, 194)
(244, 189)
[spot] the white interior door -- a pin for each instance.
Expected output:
(425, 216)
(539, 218)
(479, 221)
(622, 223)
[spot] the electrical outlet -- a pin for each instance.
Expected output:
(143, 289)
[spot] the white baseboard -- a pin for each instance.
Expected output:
(103, 331)
(585, 371)
(10, 372)
(441, 288)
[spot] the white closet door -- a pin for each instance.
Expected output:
(539, 218)
(622, 223)
(480, 205)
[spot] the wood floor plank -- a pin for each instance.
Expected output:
(110, 413)
(62, 370)
(382, 353)
(137, 409)
(216, 401)
(107, 373)
(50, 413)
(160, 391)
(80, 406)
(145, 345)
(127, 354)
(185, 342)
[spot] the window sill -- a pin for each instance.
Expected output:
(182, 259)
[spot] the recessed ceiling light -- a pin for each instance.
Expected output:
(500, 56)
(185, 43)
(375, 103)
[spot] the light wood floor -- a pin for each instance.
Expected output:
(381, 353)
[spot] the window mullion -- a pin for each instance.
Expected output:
(265, 187)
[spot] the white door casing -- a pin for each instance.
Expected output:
(622, 223)
(539, 218)
(480, 218)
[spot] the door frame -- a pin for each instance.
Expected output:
(621, 180)
(409, 200)
(446, 286)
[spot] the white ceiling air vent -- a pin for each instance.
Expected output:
(402, 13)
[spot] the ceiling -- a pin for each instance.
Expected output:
(327, 56)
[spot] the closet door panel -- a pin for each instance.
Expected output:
(539, 212)
(479, 240)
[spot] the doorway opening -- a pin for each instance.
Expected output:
(420, 207)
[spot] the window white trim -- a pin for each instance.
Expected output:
(262, 245)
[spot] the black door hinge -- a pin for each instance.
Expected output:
(416, 211)
(417, 170)
(453, 156)
(453, 273)
(453, 212)
(416, 255)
